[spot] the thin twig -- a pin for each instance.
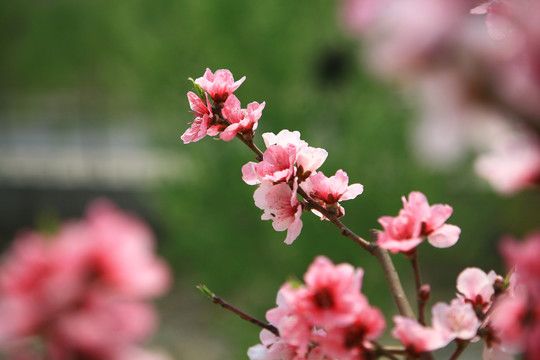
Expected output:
(461, 346)
(418, 283)
(217, 300)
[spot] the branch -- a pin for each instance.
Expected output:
(217, 300)
(418, 282)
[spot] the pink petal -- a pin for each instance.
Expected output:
(438, 214)
(249, 173)
(445, 236)
(352, 191)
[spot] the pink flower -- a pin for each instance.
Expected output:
(281, 205)
(353, 340)
(308, 160)
(512, 165)
(476, 286)
(101, 327)
(414, 222)
(457, 320)
(329, 191)
(271, 348)
(284, 138)
(219, 85)
(277, 165)
(417, 338)
(332, 293)
(495, 352)
(119, 243)
(523, 256)
(242, 121)
(433, 220)
(401, 233)
(509, 321)
(498, 19)
(203, 119)
(81, 290)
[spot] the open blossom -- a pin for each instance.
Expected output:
(277, 165)
(202, 121)
(83, 289)
(280, 205)
(417, 338)
(352, 341)
(219, 85)
(286, 156)
(283, 138)
(418, 220)
(457, 320)
(476, 287)
(330, 191)
(332, 293)
(242, 120)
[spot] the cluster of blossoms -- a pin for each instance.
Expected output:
(515, 322)
(288, 165)
(416, 221)
(328, 317)
(225, 117)
(474, 72)
(81, 293)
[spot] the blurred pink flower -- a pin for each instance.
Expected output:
(352, 341)
(219, 85)
(457, 320)
(329, 191)
(476, 287)
(498, 19)
(281, 205)
(523, 257)
(513, 164)
(82, 289)
(417, 338)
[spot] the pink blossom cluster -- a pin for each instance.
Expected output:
(515, 319)
(81, 293)
(224, 116)
(469, 65)
(288, 164)
(326, 318)
(415, 222)
(462, 319)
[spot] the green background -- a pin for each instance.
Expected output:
(128, 62)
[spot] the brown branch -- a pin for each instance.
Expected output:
(418, 283)
(461, 346)
(217, 300)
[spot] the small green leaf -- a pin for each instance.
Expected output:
(206, 291)
(197, 89)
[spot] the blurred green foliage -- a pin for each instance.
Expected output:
(134, 57)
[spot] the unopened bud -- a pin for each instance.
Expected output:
(499, 285)
(424, 293)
